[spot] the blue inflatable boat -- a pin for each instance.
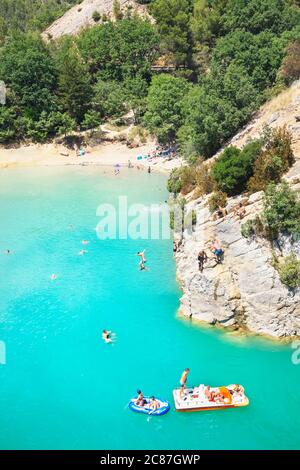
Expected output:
(164, 407)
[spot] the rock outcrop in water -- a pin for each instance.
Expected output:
(245, 290)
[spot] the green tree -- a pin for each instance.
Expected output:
(281, 212)
(164, 106)
(74, 80)
(30, 73)
(173, 20)
(109, 99)
(234, 167)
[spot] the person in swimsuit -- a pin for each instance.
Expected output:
(141, 254)
(106, 336)
(183, 380)
(140, 401)
(154, 404)
(202, 258)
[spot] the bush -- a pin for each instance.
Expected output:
(96, 16)
(234, 167)
(217, 199)
(281, 213)
(289, 271)
(182, 180)
(290, 69)
(274, 161)
(247, 229)
(204, 181)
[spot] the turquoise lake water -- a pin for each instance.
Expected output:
(62, 387)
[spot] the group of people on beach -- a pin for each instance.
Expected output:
(239, 212)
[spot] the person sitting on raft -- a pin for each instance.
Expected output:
(140, 401)
(202, 258)
(106, 336)
(154, 404)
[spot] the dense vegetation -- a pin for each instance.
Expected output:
(216, 62)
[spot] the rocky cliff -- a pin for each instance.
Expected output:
(81, 16)
(245, 290)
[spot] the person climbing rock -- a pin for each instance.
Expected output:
(202, 258)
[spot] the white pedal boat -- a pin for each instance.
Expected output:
(195, 399)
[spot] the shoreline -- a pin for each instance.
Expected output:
(106, 154)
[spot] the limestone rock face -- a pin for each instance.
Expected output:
(245, 290)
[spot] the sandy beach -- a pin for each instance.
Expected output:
(106, 154)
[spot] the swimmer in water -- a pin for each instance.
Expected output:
(85, 242)
(7, 252)
(141, 254)
(53, 277)
(82, 252)
(106, 336)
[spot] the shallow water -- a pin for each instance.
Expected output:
(61, 386)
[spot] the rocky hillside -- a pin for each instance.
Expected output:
(245, 290)
(81, 16)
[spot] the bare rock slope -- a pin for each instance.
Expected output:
(245, 290)
(81, 16)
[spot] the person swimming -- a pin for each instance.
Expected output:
(7, 252)
(85, 242)
(82, 252)
(53, 277)
(106, 336)
(142, 266)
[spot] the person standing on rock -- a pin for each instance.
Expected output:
(202, 258)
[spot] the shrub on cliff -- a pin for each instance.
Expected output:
(234, 167)
(182, 180)
(217, 199)
(290, 68)
(289, 271)
(274, 161)
(281, 212)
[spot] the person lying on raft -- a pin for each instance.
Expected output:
(154, 404)
(140, 401)
(106, 336)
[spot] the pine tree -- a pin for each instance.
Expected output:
(74, 81)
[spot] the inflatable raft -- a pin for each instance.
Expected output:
(210, 398)
(164, 407)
